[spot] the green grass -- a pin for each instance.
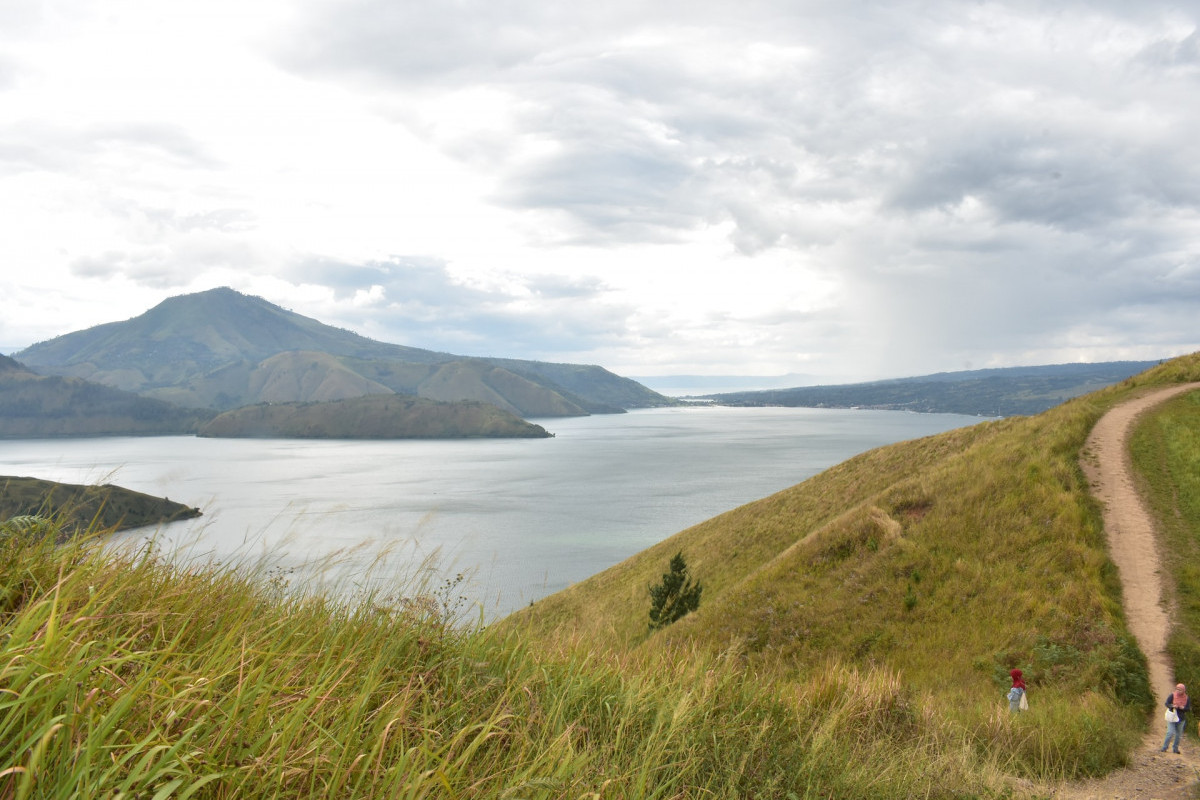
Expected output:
(946, 560)
(122, 676)
(1166, 455)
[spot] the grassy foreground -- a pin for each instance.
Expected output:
(121, 676)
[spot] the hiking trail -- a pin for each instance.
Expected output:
(1133, 547)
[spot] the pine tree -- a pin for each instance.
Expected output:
(675, 596)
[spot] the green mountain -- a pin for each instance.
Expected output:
(987, 392)
(222, 349)
(75, 507)
(36, 406)
(377, 416)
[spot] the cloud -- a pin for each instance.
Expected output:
(96, 149)
(690, 184)
(420, 302)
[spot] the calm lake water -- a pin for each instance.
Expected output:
(523, 518)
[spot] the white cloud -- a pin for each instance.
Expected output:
(681, 187)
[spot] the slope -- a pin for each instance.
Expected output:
(949, 559)
(210, 349)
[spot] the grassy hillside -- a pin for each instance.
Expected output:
(379, 416)
(949, 559)
(126, 677)
(76, 508)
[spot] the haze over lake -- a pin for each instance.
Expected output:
(524, 518)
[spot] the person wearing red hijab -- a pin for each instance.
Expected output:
(1179, 702)
(1017, 692)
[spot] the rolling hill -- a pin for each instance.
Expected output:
(36, 406)
(987, 392)
(948, 559)
(221, 349)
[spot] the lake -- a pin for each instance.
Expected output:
(521, 518)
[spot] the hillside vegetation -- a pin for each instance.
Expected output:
(949, 559)
(124, 676)
(77, 508)
(849, 644)
(379, 416)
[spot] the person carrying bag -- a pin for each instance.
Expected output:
(1178, 704)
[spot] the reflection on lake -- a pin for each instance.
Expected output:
(524, 517)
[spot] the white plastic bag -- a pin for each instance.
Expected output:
(1171, 716)
(1024, 706)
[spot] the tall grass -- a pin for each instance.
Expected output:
(946, 560)
(124, 676)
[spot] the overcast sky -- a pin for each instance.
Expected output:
(840, 189)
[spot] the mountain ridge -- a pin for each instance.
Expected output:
(995, 392)
(203, 350)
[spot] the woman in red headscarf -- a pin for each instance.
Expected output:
(1017, 692)
(1179, 702)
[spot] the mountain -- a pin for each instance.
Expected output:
(987, 392)
(77, 508)
(222, 349)
(377, 416)
(36, 406)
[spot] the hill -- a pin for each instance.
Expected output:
(221, 349)
(76, 508)
(949, 559)
(378, 416)
(986, 392)
(36, 406)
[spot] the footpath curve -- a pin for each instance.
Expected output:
(1133, 547)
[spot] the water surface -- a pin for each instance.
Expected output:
(523, 517)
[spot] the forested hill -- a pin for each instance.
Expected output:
(985, 392)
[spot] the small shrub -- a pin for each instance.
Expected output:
(676, 596)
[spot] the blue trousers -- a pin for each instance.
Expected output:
(1174, 730)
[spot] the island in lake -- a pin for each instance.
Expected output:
(377, 416)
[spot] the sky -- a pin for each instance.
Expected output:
(839, 190)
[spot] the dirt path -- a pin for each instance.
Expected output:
(1134, 549)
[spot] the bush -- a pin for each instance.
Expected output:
(676, 596)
